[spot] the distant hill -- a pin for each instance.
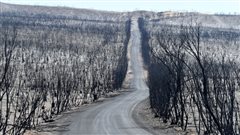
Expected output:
(208, 20)
(166, 17)
(89, 14)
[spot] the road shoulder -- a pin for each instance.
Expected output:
(143, 116)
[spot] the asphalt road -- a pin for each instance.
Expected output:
(115, 116)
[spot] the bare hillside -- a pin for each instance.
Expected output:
(61, 11)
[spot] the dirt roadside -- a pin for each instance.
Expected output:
(143, 116)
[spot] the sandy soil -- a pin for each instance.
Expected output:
(144, 116)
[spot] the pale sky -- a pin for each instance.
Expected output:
(205, 6)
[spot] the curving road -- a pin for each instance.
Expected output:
(115, 116)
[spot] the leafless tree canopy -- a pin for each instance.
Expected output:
(193, 75)
(54, 59)
(50, 64)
